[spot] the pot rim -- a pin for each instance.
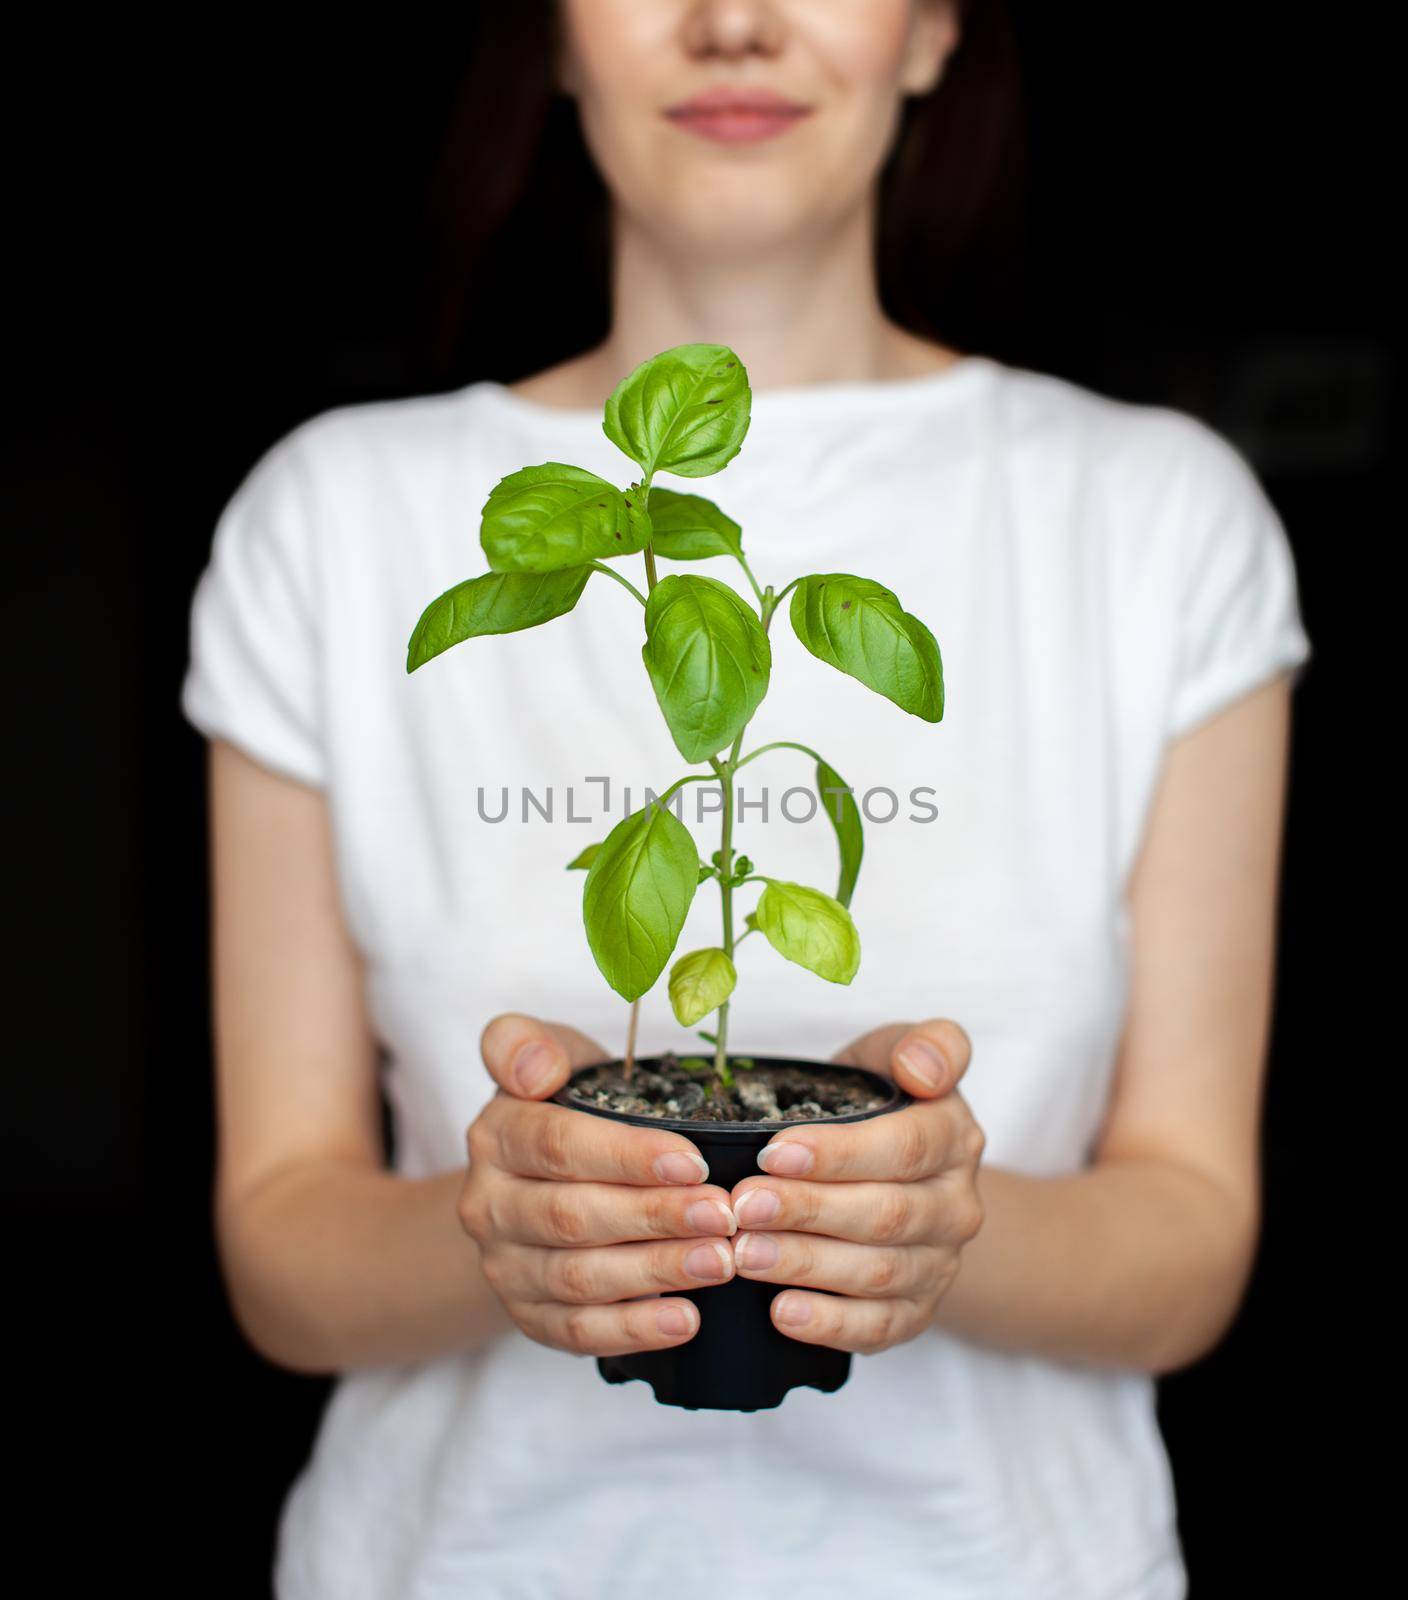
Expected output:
(738, 1132)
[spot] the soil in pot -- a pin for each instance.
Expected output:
(766, 1091)
(737, 1361)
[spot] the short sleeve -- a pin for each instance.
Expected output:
(1240, 621)
(253, 675)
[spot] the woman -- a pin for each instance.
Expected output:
(1079, 884)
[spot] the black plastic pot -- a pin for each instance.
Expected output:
(737, 1361)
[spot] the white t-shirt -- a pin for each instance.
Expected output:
(1100, 577)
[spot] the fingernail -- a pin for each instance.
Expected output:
(756, 1207)
(755, 1252)
(710, 1216)
(789, 1159)
(533, 1066)
(793, 1310)
(674, 1319)
(922, 1060)
(681, 1166)
(709, 1262)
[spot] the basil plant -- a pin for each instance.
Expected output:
(545, 531)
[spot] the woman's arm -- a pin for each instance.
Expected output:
(331, 1261)
(1142, 1260)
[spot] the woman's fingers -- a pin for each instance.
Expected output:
(534, 1059)
(534, 1211)
(611, 1330)
(934, 1211)
(548, 1141)
(903, 1147)
(871, 1272)
(617, 1272)
(926, 1059)
(861, 1326)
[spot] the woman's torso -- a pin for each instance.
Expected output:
(1032, 526)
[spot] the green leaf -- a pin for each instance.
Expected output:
(700, 983)
(844, 813)
(708, 660)
(684, 411)
(860, 628)
(498, 602)
(583, 858)
(542, 519)
(707, 872)
(687, 527)
(637, 894)
(810, 928)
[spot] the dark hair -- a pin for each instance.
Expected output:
(519, 216)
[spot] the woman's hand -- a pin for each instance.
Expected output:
(577, 1217)
(876, 1212)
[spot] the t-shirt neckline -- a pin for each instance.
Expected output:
(801, 402)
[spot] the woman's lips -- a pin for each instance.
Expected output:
(732, 116)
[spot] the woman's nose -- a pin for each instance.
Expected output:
(734, 28)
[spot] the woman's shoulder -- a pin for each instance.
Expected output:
(342, 526)
(1184, 532)
(1128, 448)
(338, 447)
(365, 483)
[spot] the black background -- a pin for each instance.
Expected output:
(217, 239)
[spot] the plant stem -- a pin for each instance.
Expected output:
(650, 578)
(778, 598)
(631, 1027)
(679, 783)
(721, 1069)
(779, 744)
(748, 573)
(611, 572)
(725, 770)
